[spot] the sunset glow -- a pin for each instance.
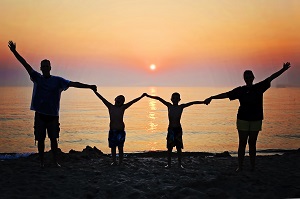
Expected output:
(152, 67)
(203, 42)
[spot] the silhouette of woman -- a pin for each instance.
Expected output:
(250, 113)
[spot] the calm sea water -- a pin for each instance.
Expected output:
(84, 120)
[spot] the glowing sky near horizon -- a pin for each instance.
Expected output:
(113, 43)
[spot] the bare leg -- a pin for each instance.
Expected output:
(121, 154)
(179, 153)
(243, 137)
(252, 147)
(41, 148)
(169, 157)
(113, 155)
(54, 147)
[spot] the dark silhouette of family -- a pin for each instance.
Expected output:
(46, 103)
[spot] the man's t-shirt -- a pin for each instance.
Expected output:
(46, 93)
(251, 100)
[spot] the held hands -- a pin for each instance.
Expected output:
(12, 46)
(286, 65)
(207, 101)
(94, 88)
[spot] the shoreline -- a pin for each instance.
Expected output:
(88, 174)
(264, 152)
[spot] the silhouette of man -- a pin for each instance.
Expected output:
(46, 102)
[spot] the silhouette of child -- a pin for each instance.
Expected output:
(117, 134)
(174, 136)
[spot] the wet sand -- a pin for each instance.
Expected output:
(88, 174)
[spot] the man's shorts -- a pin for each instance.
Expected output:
(174, 137)
(243, 125)
(43, 123)
(116, 138)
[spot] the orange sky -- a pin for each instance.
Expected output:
(191, 42)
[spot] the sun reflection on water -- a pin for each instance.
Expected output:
(206, 128)
(152, 105)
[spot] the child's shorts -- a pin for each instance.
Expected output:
(43, 123)
(116, 138)
(174, 137)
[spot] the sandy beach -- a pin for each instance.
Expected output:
(88, 174)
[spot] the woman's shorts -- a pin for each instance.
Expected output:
(244, 125)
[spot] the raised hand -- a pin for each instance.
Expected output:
(12, 46)
(286, 65)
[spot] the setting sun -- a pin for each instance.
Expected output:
(152, 67)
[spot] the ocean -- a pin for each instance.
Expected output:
(84, 120)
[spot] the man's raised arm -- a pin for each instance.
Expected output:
(12, 46)
(286, 66)
(81, 85)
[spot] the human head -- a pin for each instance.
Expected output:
(119, 100)
(248, 77)
(175, 98)
(45, 67)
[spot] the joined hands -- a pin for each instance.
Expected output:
(207, 101)
(94, 88)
